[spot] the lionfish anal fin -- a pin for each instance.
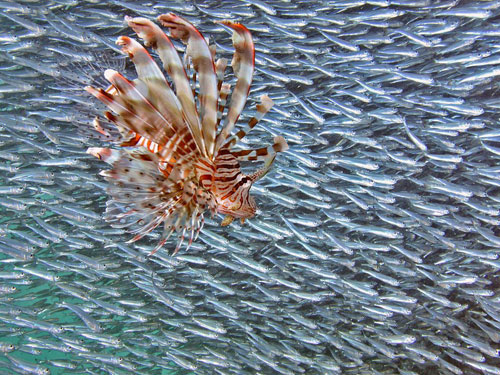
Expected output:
(228, 219)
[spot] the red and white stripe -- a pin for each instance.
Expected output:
(197, 49)
(243, 67)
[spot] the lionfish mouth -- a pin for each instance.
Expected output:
(240, 213)
(170, 163)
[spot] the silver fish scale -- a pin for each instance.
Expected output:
(375, 248)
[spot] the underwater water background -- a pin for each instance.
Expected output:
(376, 246)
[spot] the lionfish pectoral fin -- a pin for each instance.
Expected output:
(98, 127)
(95, 151)
(227, 220)
(107, 155)
(179, 242)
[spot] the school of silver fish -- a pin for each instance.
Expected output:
(375, 248)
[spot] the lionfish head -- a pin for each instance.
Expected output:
(232, 187)
(240, 203)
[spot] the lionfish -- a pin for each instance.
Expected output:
(171, 165)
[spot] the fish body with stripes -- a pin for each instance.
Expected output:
(172, 164)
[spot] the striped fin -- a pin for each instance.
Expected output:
(223, 94)
(178, 148)
(171, 227)
(220, 67)
(107, 155)
(197, 49)
(131, 168)
(223, 90)
(136, 116)
(185, 216)
(132, 141)
(98, 126)
(243, 67)
(152, 219)
(156, 38)
(122, 86)
(134, 93)
(279, 146)
(262, 153)
(141, 196)
(111, 90)
(148, 228)
(131, 121)
(265, 105)
(144, 64)
(106, 98)
(155, 87)
(139, 140)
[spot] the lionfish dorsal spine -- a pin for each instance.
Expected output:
(224, 92)
(243, 67)
(265, 106)
(173, 65)
(199, 52)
